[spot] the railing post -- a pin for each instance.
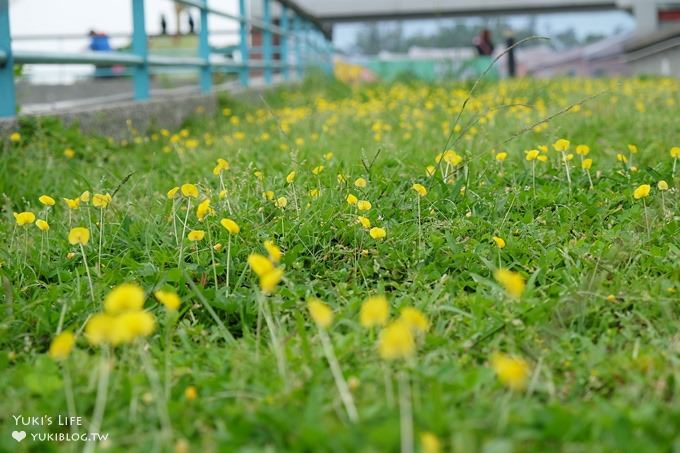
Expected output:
(7, 96)
(297, 26)
(204, 51)
(140, 48)
(267, 41)
(283, 42)
(244, 73)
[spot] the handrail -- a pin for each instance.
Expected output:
(296, 27)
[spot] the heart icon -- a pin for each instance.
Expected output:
(19, 435)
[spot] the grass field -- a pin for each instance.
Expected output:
(502, 299)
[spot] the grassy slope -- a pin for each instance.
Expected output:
(605, 372)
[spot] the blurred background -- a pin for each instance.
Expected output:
(373, 40)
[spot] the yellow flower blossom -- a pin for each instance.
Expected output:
(42, 225)
(189, 190)
(501, 156)
(291, 177)
(642, 191)
(582, 150)
(662, 185)
(317, 170)
(72, 203)
(360, 183)
(101, 200)
(586, 164)
(374, 311)
(169, 299)
(500, 242)
(172, 192)
(281, 202)
(196, 235)
(46, 200)
(511, 371)
(364, 205)
(364, 221)
(415, 319)
(531, 154)
(79, 235)
(377, 233)
(62, 345)
(561, 144)
(231, 226)
(352, 199)
(513, 282)
(124, 297)
(203, 209)
(220, 167)
(24, 218)
(420, 189)
(273, 250)
(321, 313)
(396, 341)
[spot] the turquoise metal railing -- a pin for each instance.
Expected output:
(312, 48)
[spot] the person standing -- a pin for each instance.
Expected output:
(483, 43)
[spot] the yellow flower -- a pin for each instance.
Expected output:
(542, 158)
(415, 319)
(172, 192)
(430, 170)
(364, 205)
(420, 189)
(273, 250)
(429, 443)
(72, 203)
(79, 235)
(633, 148)
(377, 233)
(46, 200)
(582, 150)
(352, 200)
(85, 196)
(203, 209)
(314, 193)
(281, 202)
(62, 345)
(675, 152)
(42, 225)
(124, 297)
(190, 393)
(98, 328)
(69, 153)
(501, 156)
(317, 170)
(169, 299)
(341, 178)
(258, 174)
(260, 264)
(621, 158)
(24, 218)
(269, 280)
(15, 137)
(220, 167)
(561, 144)
(328, 156)
(360, 183)
(642, 191)
(374, 311)
(291, 177)
(320, 312)
(101, 201)
(586, 164)
(364, 221)
(217, 247)
(396, 341)
(531, 154)
(196, 235)
(513, 282)
(268, 195)
(129, 325)
(500, 242)
(222, 194)
(662, 185)
(189, 190)
(231, 226)
(450, 157)
(511, 371)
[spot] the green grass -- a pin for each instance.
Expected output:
(597, 323)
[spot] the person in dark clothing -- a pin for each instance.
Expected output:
(164, 25)
(191, 24)
(483, 43)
